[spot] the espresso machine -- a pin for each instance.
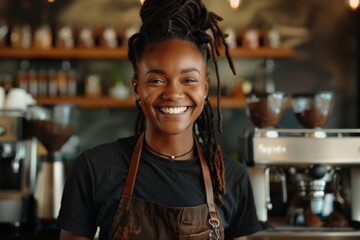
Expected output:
(18, 164)
(299, 149)
(321, 167)
(32, 170)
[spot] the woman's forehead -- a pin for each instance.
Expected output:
(172, 52)
(172, 44)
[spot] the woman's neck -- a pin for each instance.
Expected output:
(172, 146)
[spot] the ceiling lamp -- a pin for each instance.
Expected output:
(234, 4)
(352, 4)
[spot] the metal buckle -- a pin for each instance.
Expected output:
(215, 232)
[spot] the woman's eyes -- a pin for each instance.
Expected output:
(189, 80)
(162, 81)
(156, 81)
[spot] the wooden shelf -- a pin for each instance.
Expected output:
(89, 102)
(262, 52)
(121, 53)
(58, 53)
(229, 102)
(107, 102)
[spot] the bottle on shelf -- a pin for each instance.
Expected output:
(22, 80)
(66, 80)
(21, 36)
(251, 38)
(65, 37)
(93, 86)
(72, 83)
(273, 38)
(108, 38)
(52, 83)
(43, 37)
(33, 87)
(42, 83)
(61, 83)
(86, 37)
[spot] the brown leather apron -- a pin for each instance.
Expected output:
(141, 219)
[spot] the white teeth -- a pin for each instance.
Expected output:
(173, 110)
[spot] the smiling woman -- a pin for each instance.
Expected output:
(170, 180)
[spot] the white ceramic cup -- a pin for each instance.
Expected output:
(18, 98)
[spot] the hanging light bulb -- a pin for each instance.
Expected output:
(234, 4)
(352, 4)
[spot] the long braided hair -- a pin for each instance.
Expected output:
(187, 20)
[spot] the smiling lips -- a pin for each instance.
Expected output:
(173, 110)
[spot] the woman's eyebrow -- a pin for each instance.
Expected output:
(158, 71)
(186, 70)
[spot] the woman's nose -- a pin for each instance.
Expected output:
(173, 91)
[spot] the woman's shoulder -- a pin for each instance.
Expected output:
(234, 169)
(116, 152)
(121, 144)
(234, 164)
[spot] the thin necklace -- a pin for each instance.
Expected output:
(167, 156)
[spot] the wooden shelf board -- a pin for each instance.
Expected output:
(262, 52)
(58, 53)
(107, 102)
(89, 102)
(121, 53)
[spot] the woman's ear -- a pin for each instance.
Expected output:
(207, 87)
(135, 88)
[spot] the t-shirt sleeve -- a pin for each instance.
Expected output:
(244, 220)
(77, 213)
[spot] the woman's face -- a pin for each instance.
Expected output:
(171, 85)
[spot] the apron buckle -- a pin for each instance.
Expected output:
(215, 232)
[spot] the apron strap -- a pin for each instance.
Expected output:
(214, 219)
(207, 179)
(133, 168)
(134, 165)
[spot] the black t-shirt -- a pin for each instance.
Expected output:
(96, 180)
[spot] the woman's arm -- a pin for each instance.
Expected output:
(65, 235)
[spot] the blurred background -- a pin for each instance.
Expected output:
(313, 46)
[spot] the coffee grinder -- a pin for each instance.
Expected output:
(52, 132)
(265, 111)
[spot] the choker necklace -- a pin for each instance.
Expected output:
(167, 156)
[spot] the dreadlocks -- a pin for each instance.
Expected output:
(187, 20)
